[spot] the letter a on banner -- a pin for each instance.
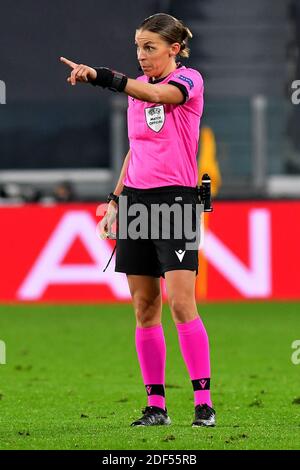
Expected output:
(48, 268)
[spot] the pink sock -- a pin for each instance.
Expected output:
(194, 347)
(151, 351)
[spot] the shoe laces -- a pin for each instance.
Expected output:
(150, 410)
(204, 411)
(147, 410)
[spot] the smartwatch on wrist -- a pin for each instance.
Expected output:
(112, 197)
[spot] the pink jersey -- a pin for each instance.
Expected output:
(164, 137)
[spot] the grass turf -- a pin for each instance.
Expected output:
(72, 379)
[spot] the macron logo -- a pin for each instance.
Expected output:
(202, 382)
(180, 254)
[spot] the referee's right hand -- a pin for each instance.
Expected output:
(108, 220)
(80, 73)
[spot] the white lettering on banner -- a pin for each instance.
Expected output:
(48, 269)
(255, 281)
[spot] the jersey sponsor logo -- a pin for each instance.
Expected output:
(187, 80)
(155, 117)
(180, 254)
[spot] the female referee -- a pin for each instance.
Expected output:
(165, 105)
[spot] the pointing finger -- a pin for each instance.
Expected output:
(68, 62)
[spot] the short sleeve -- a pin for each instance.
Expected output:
(189, 82)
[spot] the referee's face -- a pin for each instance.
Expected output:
(156, 56)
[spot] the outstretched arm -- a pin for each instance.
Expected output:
(104, 77)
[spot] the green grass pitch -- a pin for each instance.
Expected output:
(72, 380)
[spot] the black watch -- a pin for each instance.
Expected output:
(112, 197)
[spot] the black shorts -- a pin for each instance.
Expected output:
(156, 253)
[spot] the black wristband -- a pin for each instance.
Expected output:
(112, 197)
(107, 78)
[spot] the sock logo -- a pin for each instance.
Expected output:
(155, 389)
(202, 382)
(180, 254)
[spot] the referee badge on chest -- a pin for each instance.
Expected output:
(155, 117)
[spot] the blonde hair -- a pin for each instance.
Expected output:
(170, 29)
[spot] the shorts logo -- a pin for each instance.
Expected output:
(180, 254)
(155, 117)
(187, 80)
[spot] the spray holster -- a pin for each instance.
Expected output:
(204, 193)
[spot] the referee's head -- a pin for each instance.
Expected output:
(170, 29)
(160, 39)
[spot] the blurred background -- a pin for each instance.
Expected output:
(62, 144)
(50, 133)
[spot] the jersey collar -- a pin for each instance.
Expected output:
(179, 65)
